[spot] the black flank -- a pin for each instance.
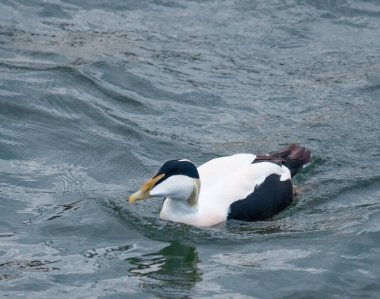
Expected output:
(267, 199)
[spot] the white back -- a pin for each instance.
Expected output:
(213, 171)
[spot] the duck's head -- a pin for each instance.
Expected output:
(177, 179)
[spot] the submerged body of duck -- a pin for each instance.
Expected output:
(242, 187)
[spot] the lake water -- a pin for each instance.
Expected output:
(96, 95)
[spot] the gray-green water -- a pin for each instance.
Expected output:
(96, 95)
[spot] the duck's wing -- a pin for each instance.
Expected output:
(215, 170)
(252, 192)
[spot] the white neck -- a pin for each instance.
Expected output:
(182, 205)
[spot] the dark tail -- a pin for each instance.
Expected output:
(294, 157)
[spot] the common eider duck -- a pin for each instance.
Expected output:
(244, 187)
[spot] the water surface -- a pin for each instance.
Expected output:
(95, 96)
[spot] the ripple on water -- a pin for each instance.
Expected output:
(344, 214)
(94, 97)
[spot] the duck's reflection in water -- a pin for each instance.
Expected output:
(171, 271)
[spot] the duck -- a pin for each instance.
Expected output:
(243, 186)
